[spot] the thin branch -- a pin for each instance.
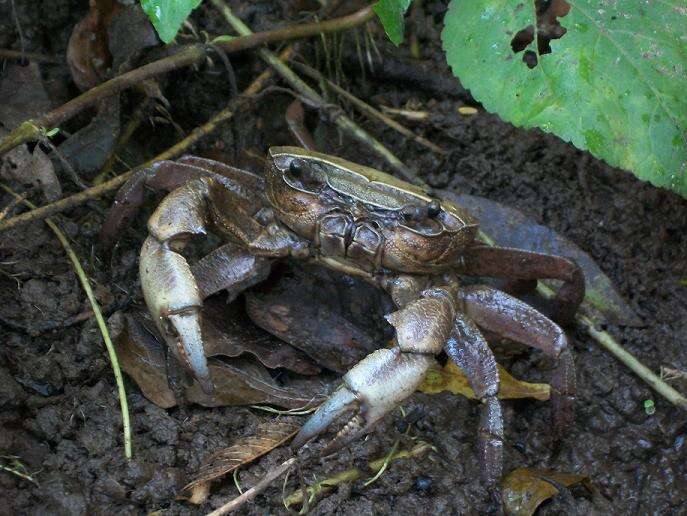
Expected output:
(368, 110)
(341, 120)
(256, 489)
(29, 56)
(174, 151)
(655, 382)
(81, 274)
(34, 129)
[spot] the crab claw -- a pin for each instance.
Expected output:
(174, 300)
(385, 377)
(375, 386)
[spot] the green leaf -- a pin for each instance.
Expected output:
(390, 13)
(614, 84)
(168, 15)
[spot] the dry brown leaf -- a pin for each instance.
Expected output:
(237, 382)
(451, 378)
(524, 489)
(267, 437)
(88, 56)
(229, 332)
(335, 319)
(34, 169)
(22, 95)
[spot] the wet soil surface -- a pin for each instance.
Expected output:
(58, 402)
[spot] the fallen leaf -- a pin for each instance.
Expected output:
(267, 437)
(243, 381)
(511, 228)
(142, 357)
(34, 169)
(237, 381)
(524, 489)
(129, 33)
(229, 332)
(22, 95)
(88, 56)
(335, 319)
(87, 149)
(451, 378)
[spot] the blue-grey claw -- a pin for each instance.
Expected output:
(174, 301)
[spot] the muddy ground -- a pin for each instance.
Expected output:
(58, 402)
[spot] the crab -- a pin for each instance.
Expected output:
(408, 241)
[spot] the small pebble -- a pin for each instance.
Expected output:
(423, 483)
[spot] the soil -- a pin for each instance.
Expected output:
(58, 402)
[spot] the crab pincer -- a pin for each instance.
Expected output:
(384, 378)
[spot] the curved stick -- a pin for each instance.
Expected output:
(34, 129)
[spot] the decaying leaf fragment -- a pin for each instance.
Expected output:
(451, 378)
(240, 381)
(524, 489)
(267, 437)
(34, 169)
(88, 56)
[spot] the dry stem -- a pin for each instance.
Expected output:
(341, 120)
(34, 129)
(174, 151)
(368, 110)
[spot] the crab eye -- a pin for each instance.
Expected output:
(296, 167)
(305, 175)
(411, 212)
(433, 209)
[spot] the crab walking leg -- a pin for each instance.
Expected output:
(513, 319)
(469, 350)
(516, 264)
(384, 378)
(169, 175)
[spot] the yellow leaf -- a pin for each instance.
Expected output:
(523, 489)
(451, 378)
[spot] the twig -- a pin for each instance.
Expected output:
(625, 357)
(29, 56)
(369, 110)
(7, 209)
(646, 374)
(127, 133)
(256, 489)
(353, 474)
(99, 318)
(417, 116)
(17, 468)
(341, 120)
(33, 129)
(385, 464)
(174, 151)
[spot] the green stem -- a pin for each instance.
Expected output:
(342, 121)
(99, 318)
(646, 374)
(625, 357)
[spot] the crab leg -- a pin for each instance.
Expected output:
(511, 318)
(169, 175)
(516, 264)
(469, 350)
(384, 378)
